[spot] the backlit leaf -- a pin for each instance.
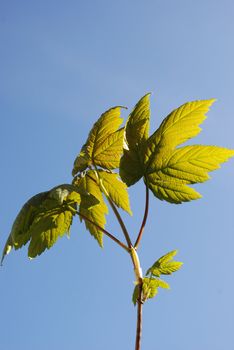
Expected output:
(178, 127)
(32, 222)
(47, 228)
(149, 289)
(136, 133)
(109, 153)
(165, 265)
(170, 189)
(168, 175)
(101, 144)
(192, 163)
(96, 213)
(168, 170)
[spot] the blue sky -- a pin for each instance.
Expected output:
(62, 65)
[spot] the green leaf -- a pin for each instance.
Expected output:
(115, 189)
(135, 294)
(130, 168)
(170, 189)
(136, 133)
(191, 164)
(137, 126)
(19, 232)
(178, 127)
(104, 144)
(46, 229)
(96, 213)
(149, 289)
(169, 175)
(45, 209)
(164, 265)
(109, 153)
(169, 170)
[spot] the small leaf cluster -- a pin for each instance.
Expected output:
(151, 282)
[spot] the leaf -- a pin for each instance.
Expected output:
(149, 289)
(41, 211)
(178, 127)
(192, 163)
(164, 265)
(136, 133)
(114, 188)
(169, 170)
(130, 169)
(135, 294)
(170, 189)
(104, 144)
(96, 213)
(169, 175)
(46, 229)
(19, 232)
(137, 126)
(109, 154)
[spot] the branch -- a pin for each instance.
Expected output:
(144, 218)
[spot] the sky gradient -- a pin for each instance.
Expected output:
(61, 65)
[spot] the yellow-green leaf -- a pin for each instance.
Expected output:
(165, 265)
(168, 175)
(192, 163)
(130, 168)
(149, 289)
(170, 189)
(136, 133)
(46, 229)
(178, 127)
(96, 213)
(99, 140)
(109, 153)
(32, 222)
(137, 126)
(19, 233)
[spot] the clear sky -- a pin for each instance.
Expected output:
(62, 64)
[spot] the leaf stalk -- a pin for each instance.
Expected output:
(144, 218)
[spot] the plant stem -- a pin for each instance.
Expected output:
(144, 218)
(139, 280)
(104, 231)
(139, 319)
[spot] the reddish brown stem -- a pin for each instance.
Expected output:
(139, 319)
(144, 218)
